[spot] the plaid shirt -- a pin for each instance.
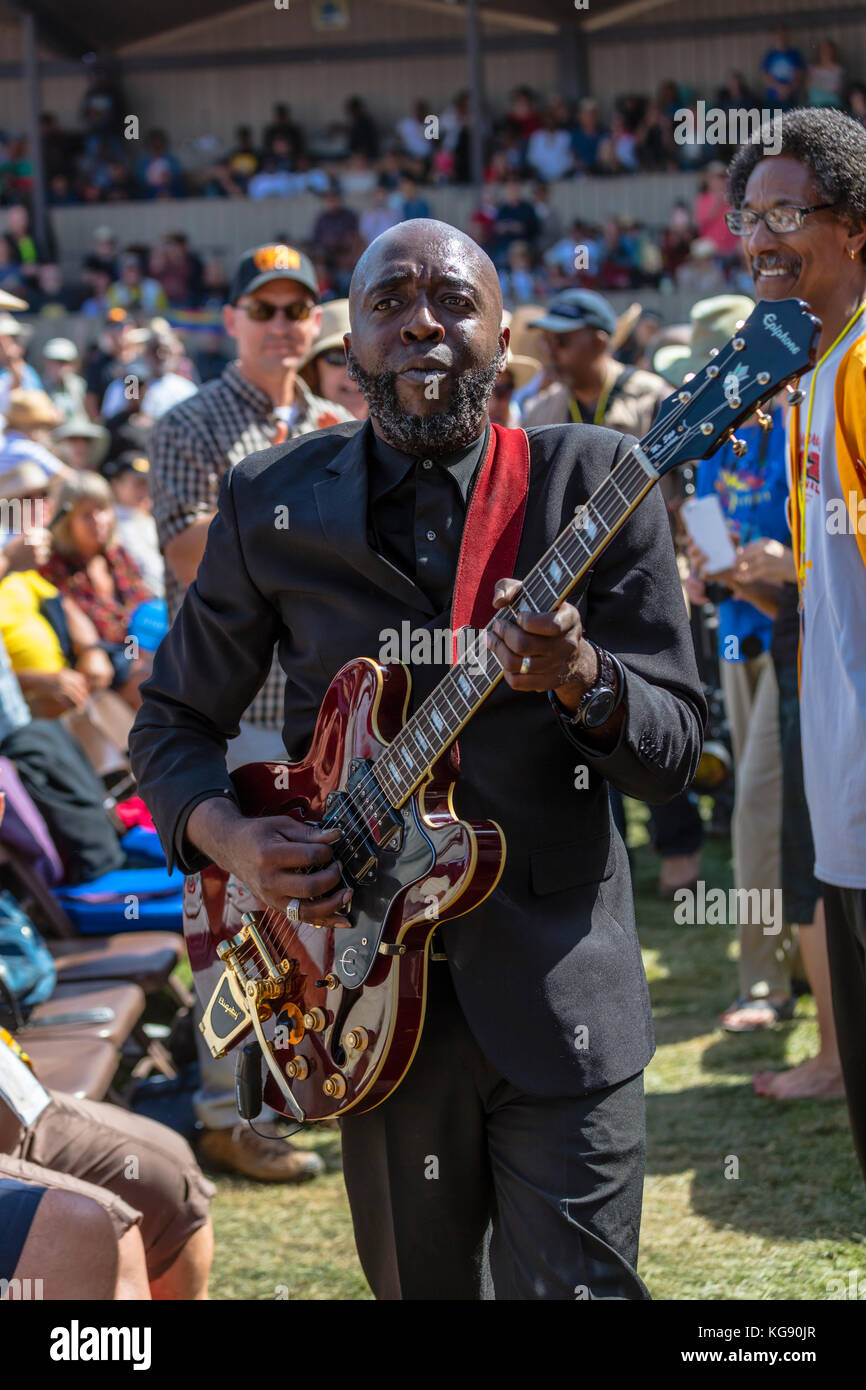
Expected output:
(110, 616)
(193, 445)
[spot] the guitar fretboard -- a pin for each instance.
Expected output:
(406, 761)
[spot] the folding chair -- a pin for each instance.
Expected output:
(85, 1071)
(131, 965)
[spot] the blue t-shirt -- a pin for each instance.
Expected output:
(585, 146)
(781, 65)
(415, 207)
(752, 491)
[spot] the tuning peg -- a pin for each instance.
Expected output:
(739, 446)
(794, 396)
(764, 420)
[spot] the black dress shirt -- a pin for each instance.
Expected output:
(554, 943)
(416, 512)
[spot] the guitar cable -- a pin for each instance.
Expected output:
(249, 1091)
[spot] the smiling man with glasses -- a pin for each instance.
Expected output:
(802, 216)
(274, 316)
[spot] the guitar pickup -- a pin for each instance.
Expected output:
(370, 824)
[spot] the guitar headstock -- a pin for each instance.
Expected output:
(778, 341)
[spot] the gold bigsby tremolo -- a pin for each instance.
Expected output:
(240, 1000)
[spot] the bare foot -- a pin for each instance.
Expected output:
(678, 871)
(812, 1080)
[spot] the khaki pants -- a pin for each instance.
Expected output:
(752, 706)
(86, 1146)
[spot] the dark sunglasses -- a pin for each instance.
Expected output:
(262, 311)
(334, 357)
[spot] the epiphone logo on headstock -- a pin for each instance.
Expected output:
(772, 325)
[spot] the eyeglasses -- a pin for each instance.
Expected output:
(743, 221)
(334, 357)
(262, 311)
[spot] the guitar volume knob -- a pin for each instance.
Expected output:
(298, 1069)
(315, 1020)
(335, 1086)
(356, 1040)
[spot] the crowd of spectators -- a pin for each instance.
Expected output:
(389, 175)
(535, 250)
(83, 576)
(108, 158)
(93, 441)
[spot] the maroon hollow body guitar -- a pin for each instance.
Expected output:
(337, 1014)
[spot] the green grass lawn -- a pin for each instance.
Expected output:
(794, 1217)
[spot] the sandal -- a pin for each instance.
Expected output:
(781, 1013)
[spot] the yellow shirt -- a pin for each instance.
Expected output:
(10, 1042)
(30, 640)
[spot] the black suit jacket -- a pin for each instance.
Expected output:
(548, 969)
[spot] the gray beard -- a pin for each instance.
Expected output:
(441, 432)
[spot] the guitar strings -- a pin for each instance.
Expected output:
(629, 471)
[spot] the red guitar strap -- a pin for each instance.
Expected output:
(491, 536)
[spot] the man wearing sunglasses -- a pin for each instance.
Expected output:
(802, 217)
(274, 316)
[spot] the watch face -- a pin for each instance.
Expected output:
(599, 708)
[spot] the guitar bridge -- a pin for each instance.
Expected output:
(228, 1016)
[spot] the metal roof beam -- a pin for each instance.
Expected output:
(595, 22)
